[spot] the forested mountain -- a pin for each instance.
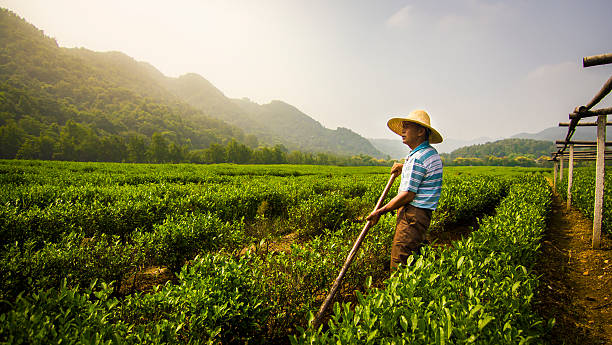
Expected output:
(274, 123)
(397, 149)
(76, 104)
(289, 126)
(502, 152)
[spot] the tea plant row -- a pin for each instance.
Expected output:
(480, 291)
(66, 247)
(583, 195)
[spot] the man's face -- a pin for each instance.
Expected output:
(411, 132)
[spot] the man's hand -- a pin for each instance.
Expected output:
(374, 216)
(396, 169)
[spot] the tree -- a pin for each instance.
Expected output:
(159, 151)
(77, 142)
(11, 139)
(178, 153)
(136, 148)
(215, 154)
(296, 157)
(112, 149)
(237, 153)
(279, 154)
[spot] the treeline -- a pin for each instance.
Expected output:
(506, 152)
(235, 152)
(28, 138)
(509, 161)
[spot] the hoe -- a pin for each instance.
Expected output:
(350, 257)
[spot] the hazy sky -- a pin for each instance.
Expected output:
(480, 68)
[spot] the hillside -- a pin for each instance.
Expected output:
(396, 149)
(76, 104)
(502, 152)
(274, 123)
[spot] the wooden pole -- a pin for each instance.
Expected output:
(600, 167)
(582, 124)
(560, 168)
(580, 143)
(595, 60)
(581, 113)
(570, 173)
(605, 90)
(350, 257)
(555, 166)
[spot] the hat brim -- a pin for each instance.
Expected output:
(395, 124)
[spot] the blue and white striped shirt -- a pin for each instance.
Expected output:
(422, 174)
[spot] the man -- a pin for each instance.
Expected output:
(420, 187)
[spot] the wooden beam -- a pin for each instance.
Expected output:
(577, 154)
(588, 151)
(581, 112)
(570, 175)
(593, 158)
(584, 153)
(583, 146)
(582, 143)
(600, 167)
(605, 90)
(596, 60)
(583, 124)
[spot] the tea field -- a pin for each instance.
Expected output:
(583, 194)
(252, 251)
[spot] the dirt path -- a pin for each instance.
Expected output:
(576, 283)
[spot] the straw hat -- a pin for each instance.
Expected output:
(420, 117)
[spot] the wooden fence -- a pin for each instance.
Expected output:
(589, 150)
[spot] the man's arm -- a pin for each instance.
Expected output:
(401, 199)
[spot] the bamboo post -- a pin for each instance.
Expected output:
(561, 168)
(600, 167)
(555, 167)
(570, 176)
(330, 296)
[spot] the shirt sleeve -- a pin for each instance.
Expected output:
(413, 173)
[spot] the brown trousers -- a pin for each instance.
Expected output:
(410, 230)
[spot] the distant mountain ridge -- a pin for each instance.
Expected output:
(558, 133)
(511, 147)
(274, 123)
(113, 97)
(396, 149)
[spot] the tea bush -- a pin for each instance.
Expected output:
(583, 195)
(480, 291)
(69, 230)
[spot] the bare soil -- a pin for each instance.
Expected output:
(576, 283)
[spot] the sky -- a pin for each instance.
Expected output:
(480, 68)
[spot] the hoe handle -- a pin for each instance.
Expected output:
(349, 259)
